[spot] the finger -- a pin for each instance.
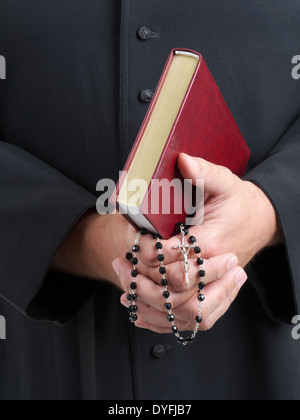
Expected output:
(217, 294)
(150, 316)
(221, 311)
(214, 269)
(206, 325)
(184, 317)
(200, 169)
(148, 291)
(148, 252)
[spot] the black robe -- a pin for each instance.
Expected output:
(70, 110)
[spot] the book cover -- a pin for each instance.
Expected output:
(204, 127)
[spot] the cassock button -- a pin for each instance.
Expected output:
(159, 351)
(146, 95)
(144, 33)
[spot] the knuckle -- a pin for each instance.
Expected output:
(151, 274)
(225, 171)
(149, 258)
(220, 295)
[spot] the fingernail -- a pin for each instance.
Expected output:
(116, 267)
(123, 300)
(233, 262)
(241, 279)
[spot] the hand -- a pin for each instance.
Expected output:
(91, 246)
(95, 241)
(223, 284)
(239, 218)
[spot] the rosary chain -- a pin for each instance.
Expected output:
(132, 296)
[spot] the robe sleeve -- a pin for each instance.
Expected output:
(38, 207)
(275, 273)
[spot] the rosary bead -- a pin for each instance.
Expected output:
(135, 248)
(181, 340)
(161, 257)
(202, 273)
(158, 245)
(164, 282)
(175, 329)
(133, 285)
(199, 319)
(156, 236)
(186, 231)
(132, 309)
(143, 232)
(134, 273)
(200, 261)
(171, 318)
(134, 261)
(166, 294)
(192, 239)
(168, 306)
(129, 256)
(133, 297)
(180, 225)
(201, 285)
(197, 250)
(133, 318)
(201, 298)
(128, 297)
(162, 270)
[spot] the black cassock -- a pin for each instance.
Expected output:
(69, 113)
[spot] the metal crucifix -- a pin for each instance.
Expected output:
(185, 249)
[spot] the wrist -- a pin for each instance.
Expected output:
(94, 252)
(71, 256)
(88, 250)
(265, 219)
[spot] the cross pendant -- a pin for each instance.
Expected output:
(185, 249)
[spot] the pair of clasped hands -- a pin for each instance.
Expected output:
(239, 222)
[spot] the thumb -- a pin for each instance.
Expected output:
(217, 179)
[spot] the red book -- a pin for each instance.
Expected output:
(187, 115)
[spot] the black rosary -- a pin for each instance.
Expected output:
(185, 248)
